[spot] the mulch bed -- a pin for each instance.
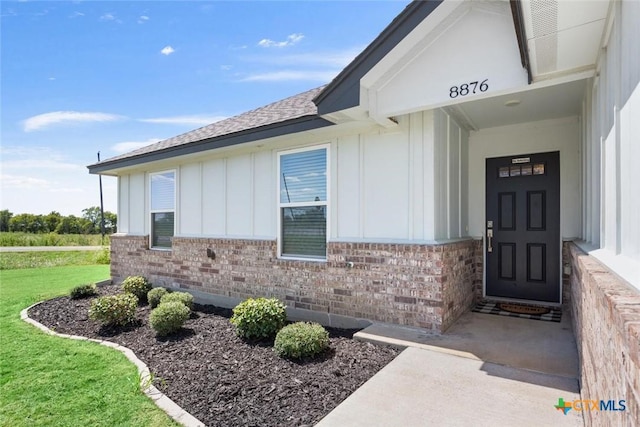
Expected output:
(220, 378)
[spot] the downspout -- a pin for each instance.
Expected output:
(518, 22)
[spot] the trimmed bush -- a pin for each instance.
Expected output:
(114, 309)
(154, 295)
(83, 291)
(168, 317)
(258, 318)
(136, 285)
(301, 339)
(184, 297)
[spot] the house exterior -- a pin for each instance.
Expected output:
(476, 149)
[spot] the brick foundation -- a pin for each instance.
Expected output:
(606, 322)
(427, 286)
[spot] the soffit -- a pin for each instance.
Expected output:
(563, 36)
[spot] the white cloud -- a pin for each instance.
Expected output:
(23, 182)
(37, 159)
(124, 147)
(41, 164)
(167, 50)
(67, 117)
(142, 19)
(27, 151)
(290, 41)
(194, 120)
(51, 78)
(332, 59)
(292, 75)
(66, 190)
(226, 67)
(76, 15)
(108, 17)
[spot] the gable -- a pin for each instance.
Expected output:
(344, 90)
(470, 54)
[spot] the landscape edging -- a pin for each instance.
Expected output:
(160, 399)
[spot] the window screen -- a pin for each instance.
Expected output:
(303, 204)
(163, 188)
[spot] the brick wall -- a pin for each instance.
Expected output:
(478, 261)
(427, 286)
(606, 317)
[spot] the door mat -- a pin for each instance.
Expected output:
(519, 310)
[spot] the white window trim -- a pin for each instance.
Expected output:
(152, 211)
(281, 205)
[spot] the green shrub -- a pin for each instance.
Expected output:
(301, 339)
(136, 285)
(258, 318)
(83, 291)
(154, 296)
(168, 317)
(114, 309)
(103, 256)
(184, 297)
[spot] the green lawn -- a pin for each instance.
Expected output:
(50, 381)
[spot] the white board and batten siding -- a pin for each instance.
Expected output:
(382, 183)
(611, 149)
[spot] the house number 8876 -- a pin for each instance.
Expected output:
(468, 88)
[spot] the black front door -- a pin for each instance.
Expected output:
(523, 227)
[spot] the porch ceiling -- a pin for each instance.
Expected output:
(562, 100)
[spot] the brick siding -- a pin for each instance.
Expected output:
(427, 286)
(606, 323)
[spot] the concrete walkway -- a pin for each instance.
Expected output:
(487, 370)
(49, 248)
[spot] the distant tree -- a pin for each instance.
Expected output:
(5, 217)
(110, 222)
(52, 220)
(89, 223)
(70, 225)
(92, 215)
(28, 223)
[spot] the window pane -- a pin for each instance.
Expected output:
(303, 176)
(162, 191)
(304, 231)
(162, 229)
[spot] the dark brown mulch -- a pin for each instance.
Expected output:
(223, 380)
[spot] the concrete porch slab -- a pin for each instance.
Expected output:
(422, 387)
(545, 347)
(486, 370)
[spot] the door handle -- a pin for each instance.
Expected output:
(489, 237)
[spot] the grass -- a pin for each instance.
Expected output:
(51, 381)
(19, 260)
(51, 239)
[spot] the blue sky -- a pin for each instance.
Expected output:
(80, 77)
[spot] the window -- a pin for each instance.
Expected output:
(163, 197)
(303, 204)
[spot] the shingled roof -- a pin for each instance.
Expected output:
(296, 113)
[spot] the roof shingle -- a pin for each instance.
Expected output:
(294, 107)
